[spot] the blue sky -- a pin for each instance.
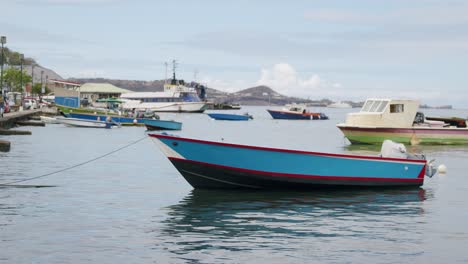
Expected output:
(315, 49)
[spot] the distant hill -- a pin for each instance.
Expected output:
(258, 95)
(134, 85)
(13, 59)
(264, 95)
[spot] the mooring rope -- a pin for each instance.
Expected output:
(76, 165)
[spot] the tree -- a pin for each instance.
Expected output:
(12, 79)
(37, 89)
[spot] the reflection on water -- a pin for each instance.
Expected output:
(216, 220)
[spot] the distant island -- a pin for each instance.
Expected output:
(436, 107)
(258, 95)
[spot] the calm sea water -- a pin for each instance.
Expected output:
(134, 207)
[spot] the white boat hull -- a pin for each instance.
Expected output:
(49, 120)
(76, 122)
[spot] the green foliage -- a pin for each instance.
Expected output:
(37, 89)
(12, 79)
(14, 58)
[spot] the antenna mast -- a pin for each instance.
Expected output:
(174, 66)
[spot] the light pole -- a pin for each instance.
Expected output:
(32, 78)
(21, 76)
(42, 81)
(3, 41)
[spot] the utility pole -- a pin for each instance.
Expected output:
(21, 76)
(3, 41)
(42, 82)
(32, 78)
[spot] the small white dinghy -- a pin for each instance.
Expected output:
(78, 122)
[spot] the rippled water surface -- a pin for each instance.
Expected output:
(133, 206)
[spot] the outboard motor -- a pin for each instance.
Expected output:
(323, 116)
(392, 149)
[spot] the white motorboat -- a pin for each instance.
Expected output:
(78, 122)
(176, 97)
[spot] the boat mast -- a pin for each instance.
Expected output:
(174, 66)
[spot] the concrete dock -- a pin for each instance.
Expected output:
(9, 119)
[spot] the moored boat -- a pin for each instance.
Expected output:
(78, 122)
(400, 121)
(296, 112)
(230, 117)
(123, 120)
(176, 97)
(157, 124)
(210, 165)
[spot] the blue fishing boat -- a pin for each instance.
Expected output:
(123, 120)
(231, 117)
(296, 112)
(211, 165)
(157, 124)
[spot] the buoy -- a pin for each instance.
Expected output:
(442, 169)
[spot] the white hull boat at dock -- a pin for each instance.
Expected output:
(77, 122)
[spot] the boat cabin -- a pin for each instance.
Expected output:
(384, 113)
(299, 108)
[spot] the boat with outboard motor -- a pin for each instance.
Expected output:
(132, 119)
(78, 122)
(212, 165)
(296, 112)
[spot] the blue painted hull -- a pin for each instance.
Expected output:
(208, 165)
(156, 124)
(231, 117)
(118, 119)
(276, 114)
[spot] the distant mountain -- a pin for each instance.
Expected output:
(13, 59)
(258, 95)
(133, 85)
(264, 95)
(41, 73)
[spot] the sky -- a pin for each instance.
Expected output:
(313, 49)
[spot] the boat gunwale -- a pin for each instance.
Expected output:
(335, 155)
(349, 127)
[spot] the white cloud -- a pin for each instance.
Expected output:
(225, 86)
(284, 79)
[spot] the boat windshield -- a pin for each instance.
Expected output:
(190, 97)
(374, 106)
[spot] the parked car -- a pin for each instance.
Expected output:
(30, 104)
